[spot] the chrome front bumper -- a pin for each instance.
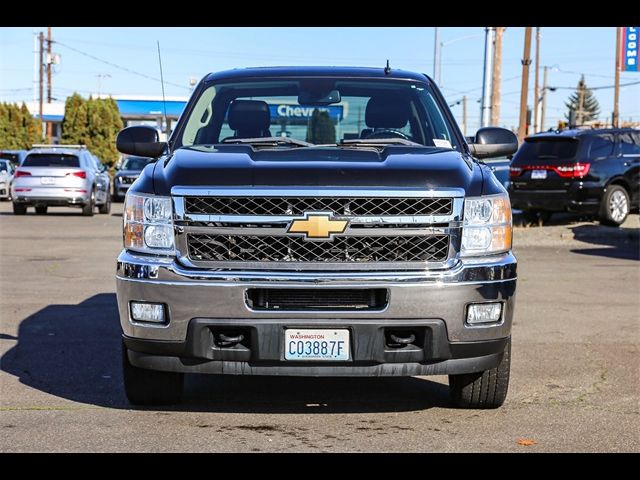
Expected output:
(220, 295)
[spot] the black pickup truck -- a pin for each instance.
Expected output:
(317, 221)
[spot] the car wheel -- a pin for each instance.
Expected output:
(41, 210)
(487, 389)
(87, 210)
(150, 387)
(19, 209)
(106, 206)
(614, 207)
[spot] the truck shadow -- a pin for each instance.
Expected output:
(612, 242)
(73, 352)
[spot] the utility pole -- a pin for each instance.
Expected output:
(543, 110)
(616, 92)
(497, 77)
(41, 76)
(526, 61)
(49, 60)
(536, 91)
(464, 115)
(436, 57)
(485, 106)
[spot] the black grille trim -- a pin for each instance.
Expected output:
(296, 299)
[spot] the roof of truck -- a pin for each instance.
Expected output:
(368, 72)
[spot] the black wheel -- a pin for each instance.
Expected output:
(87, 210)
(19, 209)
(614, 207)
(486, 389)
(115, 198)
(536, 217)
(106, 206)
(150, 387)
(41, 210)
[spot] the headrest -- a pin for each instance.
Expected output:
(252, 115)
(387, 111)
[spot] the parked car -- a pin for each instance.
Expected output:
(252, 254)
(128, 171)
(500, 168)
(16, 157)
(595, 172)
(6, 177)
(61, 175)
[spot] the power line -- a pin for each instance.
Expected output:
(601, 87)
(120, 67)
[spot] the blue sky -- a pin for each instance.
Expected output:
(193, 52)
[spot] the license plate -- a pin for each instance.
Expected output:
(47, 181)
(325, 344)
(538, 174)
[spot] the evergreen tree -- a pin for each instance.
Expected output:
(94, 123)
(321, 129)
(19, 130)
(588, 110)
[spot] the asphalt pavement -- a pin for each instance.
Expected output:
(575, 383)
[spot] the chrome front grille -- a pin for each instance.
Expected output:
(297, 206)
(272, 248)
(248, 228)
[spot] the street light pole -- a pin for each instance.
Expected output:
(485, 108)
(436, 56)
(543, 110)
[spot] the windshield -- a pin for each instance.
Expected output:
(319, 111)
(134, 163)
(51, 160)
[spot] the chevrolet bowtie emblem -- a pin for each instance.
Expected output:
(317, 226)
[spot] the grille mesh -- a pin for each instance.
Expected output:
(253, 248)
(297, 206)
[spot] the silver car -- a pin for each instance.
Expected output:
(61, 175)
(6, 176)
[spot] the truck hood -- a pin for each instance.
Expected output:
(241, 166)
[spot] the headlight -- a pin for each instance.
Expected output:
(487, 225)
(148, 224)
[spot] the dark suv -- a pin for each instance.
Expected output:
(596, 172)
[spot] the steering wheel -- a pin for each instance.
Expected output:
(387, 133)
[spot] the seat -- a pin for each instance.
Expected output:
(386, 114)
(249, 118)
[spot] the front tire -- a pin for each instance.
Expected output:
(19, 209)
(614, 207)
(42, 210)
(536, 217)
(483, 390)
(150, 387)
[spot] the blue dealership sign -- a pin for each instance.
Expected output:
(629, 49)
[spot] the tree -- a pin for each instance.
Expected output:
(321, 129)
(583, 104)
(19, 130)
(94, 123)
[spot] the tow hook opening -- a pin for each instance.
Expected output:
(230, 338)
(398, 339)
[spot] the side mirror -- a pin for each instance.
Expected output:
(494, 142)
(140, 140)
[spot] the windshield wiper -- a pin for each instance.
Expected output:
(269, 141)
(380, 142)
